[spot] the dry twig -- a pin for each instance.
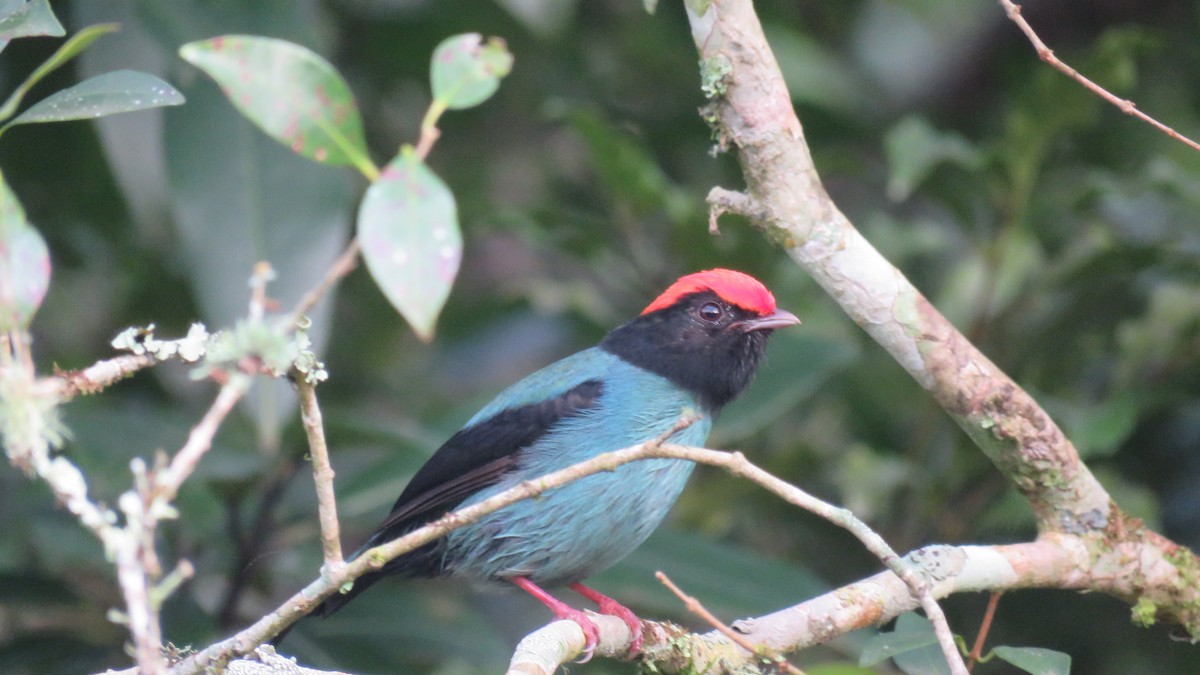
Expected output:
(1013, 10)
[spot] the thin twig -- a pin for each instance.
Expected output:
(696, 607)
(199, 440)
(310, 415)
(1013, 10)
(344, 265)
(984, 628)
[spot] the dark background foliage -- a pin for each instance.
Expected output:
(1057, 232)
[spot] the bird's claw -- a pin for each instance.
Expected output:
(607, 605)
(591, 634)
(614, 608)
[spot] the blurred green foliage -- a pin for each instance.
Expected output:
(1057, 232)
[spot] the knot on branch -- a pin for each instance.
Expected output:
(721, 201)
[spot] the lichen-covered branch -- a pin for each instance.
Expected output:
(753, 113)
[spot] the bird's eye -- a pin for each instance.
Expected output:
(711, 312)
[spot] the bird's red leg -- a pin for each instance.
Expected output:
(591, 634)
(609, 606)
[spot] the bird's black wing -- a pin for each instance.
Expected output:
(476, 457)
(479, 456)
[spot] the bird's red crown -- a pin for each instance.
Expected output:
(736, 288)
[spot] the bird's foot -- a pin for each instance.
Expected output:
(591, 634)
(609, 606)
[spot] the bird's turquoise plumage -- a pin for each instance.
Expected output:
(584, 527)
(693, 349)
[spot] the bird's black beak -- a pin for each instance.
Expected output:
(780, 318)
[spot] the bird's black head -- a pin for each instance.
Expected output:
(706, 333)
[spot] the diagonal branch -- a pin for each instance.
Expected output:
(1013, 10)
(788, 202)
(752, 112)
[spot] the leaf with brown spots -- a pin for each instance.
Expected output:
(289, 91)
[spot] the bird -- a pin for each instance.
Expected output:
(693, 349)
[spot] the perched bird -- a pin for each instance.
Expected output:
(695, 347)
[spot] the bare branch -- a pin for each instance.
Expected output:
(1013, 10)
(169, 480)
(310, 415)
(99, 375)
(344, 265)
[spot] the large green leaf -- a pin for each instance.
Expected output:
(24, 264)
(915, 149)
(108, 94)
(289, 91)
(408, 226)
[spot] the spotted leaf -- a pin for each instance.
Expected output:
(24, 264)
(288, 91)
(465, 70)
(408, 227)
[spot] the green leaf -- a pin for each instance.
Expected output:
(626, 166)
(25, 19)
(914, 149)
(1036, 660)
(801, 362)
(77, 43)
(1099, 430)
(912, 632)
(24, 264)
(108, 94)
(465, 71)
(408, 226)
(290, 92)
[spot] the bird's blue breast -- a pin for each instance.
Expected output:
(584, 527)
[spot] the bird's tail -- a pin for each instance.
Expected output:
(335, 602)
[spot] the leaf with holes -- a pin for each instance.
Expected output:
(408, 227)
(24, 264)
(465, 71)
(108, 94)
(288, 91)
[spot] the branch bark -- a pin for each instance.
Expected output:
(752, 112)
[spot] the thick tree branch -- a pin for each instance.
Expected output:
(790, 204)
(753, 113)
